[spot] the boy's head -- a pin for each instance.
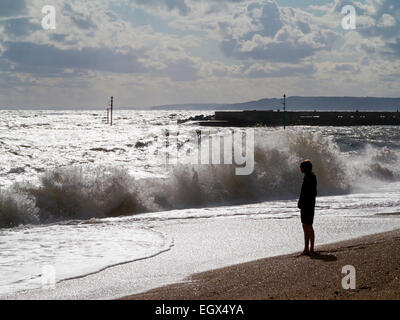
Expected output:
(306, 166)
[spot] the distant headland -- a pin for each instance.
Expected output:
(297, 103)
(294, 103)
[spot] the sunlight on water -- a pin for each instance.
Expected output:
(62, 166)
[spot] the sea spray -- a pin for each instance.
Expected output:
(17, 208)
(84, 192)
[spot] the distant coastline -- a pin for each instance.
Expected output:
(295, 103)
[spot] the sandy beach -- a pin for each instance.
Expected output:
(375, 258)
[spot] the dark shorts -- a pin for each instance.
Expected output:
(307, 216)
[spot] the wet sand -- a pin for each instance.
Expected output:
(376, 259)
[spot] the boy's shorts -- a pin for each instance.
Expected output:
(307, 216)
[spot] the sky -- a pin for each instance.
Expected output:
(156, 52)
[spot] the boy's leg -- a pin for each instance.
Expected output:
(306, 239)
(312, 238)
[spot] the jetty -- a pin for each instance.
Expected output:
(277, 117)
(301, 118)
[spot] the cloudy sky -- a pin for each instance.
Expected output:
(152, 52)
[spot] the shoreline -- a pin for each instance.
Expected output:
(375, 257)
(201, 245)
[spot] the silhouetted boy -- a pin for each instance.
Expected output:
(307, 205)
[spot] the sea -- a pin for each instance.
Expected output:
(79, 196)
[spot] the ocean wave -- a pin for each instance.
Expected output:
(97, 192)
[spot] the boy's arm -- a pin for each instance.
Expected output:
(301, 197)
(316, 189)
(308, 193)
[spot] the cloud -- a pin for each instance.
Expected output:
(171, 5)
(17, 27)
(263, 31)
(378, 22)
(262, 71)
(35, 58)
(91, 37)
(50, 61)
(214, 50)
(378, 18)
(346, 67)
(81, 20)
(166, 8)
(10, 8)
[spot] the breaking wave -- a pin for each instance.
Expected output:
(98, 192)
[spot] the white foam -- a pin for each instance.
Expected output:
(71, 250)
